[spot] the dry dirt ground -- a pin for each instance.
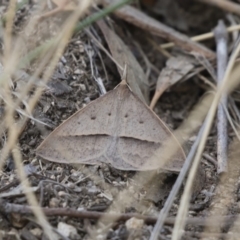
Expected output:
(98, 188)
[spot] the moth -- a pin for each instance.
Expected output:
(116, 129)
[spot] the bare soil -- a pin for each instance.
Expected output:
(96, 188)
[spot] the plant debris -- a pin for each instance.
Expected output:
(52, 68)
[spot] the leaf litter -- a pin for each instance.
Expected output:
(103, 188)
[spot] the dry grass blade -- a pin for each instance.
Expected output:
(164, 212)
(198, 114)
(226, 84)
(222, 57)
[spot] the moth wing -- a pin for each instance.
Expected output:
(142, 134)
(85, 136)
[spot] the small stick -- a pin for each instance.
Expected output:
(220, 33)
(7, 208)
(210, 159)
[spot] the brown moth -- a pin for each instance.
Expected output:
(117, 129)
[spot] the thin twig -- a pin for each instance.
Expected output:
(210, 159)
(222, 57)
(201, 37)
(97, 50)
(6, 208)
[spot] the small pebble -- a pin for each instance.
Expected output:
(78, 71)
(53, 177)
(34, 162)
(83, 87)
(59, 169)
(67, 230)
(81, 209)
(54, 202)
(134, 223)
(36, 232)
(71, 185)
(62, 194)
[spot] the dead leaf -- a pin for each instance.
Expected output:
(176, 69)
(117, 129)
(137, 80)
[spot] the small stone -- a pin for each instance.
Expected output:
(53, 177)
(67, 230)
(54, 202)
(12, 177)
(93, 190)
(81, 209)
(134, 223)
(59, 169)
(78, 71)
(83, 87)
(75, 173)
(75, 176)
(231, 180)
(34, 162)
(122, 183)
(62, 194)
(36, 232)
(131, 189)
(71, 185)
(87, 100)
(29, 169)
